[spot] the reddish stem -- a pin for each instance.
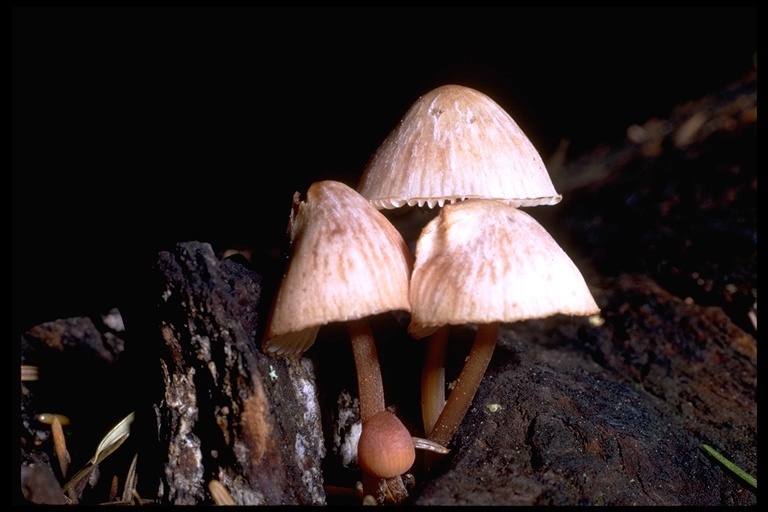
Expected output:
(471, 375)
(371, 391)
(369, 383)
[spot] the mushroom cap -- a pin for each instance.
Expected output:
(347, 262)
(385, 448)
(483, 261)
(456, 143)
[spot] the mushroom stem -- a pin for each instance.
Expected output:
(433, 378)
(369, 383)
(371, 390)
(471, 375)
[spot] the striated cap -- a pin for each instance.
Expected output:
(456, 143)
(482, 261)
(347, 262)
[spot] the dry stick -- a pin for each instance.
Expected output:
(433, 379)
(371, 390)
(471, 375)
(60, 444)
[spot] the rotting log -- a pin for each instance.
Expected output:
(228, 411)
(576, 413)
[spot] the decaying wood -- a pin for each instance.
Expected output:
(229, 412)
(572, 413)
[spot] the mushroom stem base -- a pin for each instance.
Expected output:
(371, 392)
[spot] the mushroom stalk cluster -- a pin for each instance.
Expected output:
(453, 412)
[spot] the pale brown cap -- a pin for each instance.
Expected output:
(482, 261)
(456, 143)
(347, 262)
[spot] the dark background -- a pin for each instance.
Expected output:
(135, 128)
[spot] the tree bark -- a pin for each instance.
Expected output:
(230, 412)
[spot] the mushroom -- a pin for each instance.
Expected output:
(385, 448)
(452, 144)
(456, 143)
(485, 262)
(347, 263)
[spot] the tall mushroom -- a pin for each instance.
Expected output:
(456, 143)
(347, 263)
(486, 263)
(453, 143)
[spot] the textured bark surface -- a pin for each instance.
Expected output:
(230, 412)
(574, 414)
(223, 410)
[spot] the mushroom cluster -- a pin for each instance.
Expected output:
(456, 145)
(458, 152)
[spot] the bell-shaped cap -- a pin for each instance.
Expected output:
(482, 261)
(347, 262)
(456, 143)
